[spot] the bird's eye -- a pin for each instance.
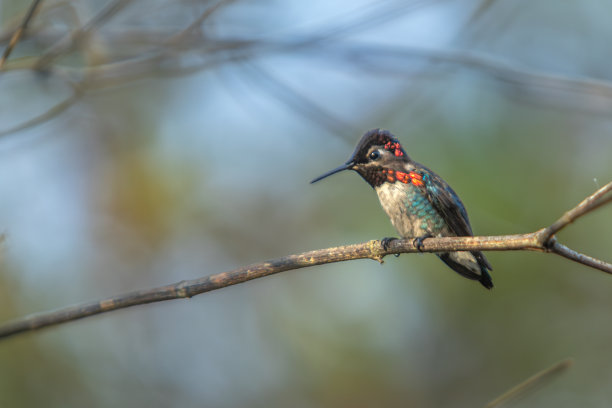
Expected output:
(374, 155)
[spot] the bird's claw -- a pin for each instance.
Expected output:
(418, 242)
(385, 242)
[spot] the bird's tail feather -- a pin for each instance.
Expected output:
(472, 265)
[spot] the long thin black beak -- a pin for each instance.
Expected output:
(346, 166)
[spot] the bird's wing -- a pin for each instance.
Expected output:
(450, 207)
(446, 202)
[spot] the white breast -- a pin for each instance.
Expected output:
(392, 197)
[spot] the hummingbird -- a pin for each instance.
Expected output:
(419, 203)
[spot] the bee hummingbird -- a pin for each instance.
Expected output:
(419, 203)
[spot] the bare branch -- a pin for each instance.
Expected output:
(568, 253)
(538, 379)
(197, 24)
(19, 32)
(77, 37)
(166, 60)
(54, 111)
(298, 102)
(186, 289)
(373, 249)
(505, 71)
(597, 199)
(166, 55)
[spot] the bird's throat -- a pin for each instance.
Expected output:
(410, 177)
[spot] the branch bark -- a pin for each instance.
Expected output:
(543, 240)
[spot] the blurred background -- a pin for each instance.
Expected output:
(147, 142)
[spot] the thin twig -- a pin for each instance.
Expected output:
(78, 36)
(20, 31)
(568, 253)
(299, 103)
(197, 24)
(45, 116)
(215, 52)
(538, 379)
(371, 249)
(597, 199)
(502, 70)
(168, 59)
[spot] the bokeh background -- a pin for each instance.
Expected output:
(147, 142)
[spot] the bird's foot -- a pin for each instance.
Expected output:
(418, 241)
(385, 242)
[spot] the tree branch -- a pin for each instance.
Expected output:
(77, 37)
(532, 382)
(19, 32)
(595, 200)
(542, 240)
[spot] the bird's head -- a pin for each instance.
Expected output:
(377, 150)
